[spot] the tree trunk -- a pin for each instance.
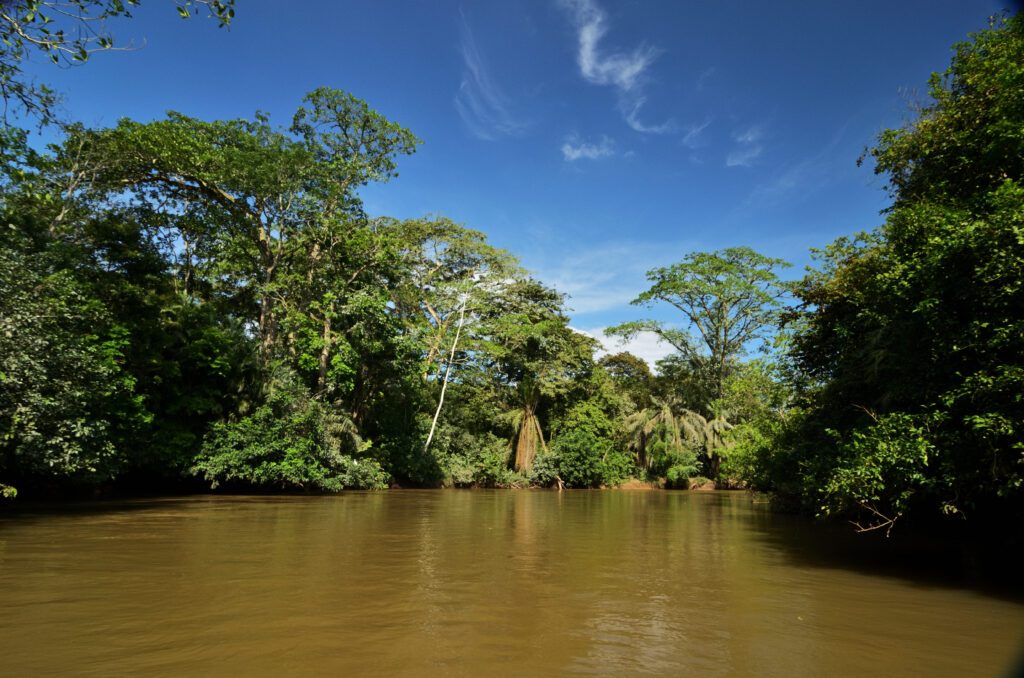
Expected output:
(530, 435)
(266, 326)
(447, 372)
(325, 352)
(268, 261)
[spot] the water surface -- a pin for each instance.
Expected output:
(479, 582)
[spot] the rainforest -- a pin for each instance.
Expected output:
(206, 305)
(639, 398)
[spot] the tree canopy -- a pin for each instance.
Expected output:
(730, 297)
(206, 304)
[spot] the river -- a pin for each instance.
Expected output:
(481, 583)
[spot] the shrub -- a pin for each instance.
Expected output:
(882, 469)
(587, 460)
(290, 442)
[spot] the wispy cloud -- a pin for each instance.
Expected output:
(703, 78)
(621, 70)
(576, 149)
(694, 137)
(603, 277)
(808, 174)
(633, 120)
(480, 101)
(625, 71)
(748, 147)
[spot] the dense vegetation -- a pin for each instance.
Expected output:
(906, 354)
(187, 301)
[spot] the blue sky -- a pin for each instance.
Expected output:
(594, 139)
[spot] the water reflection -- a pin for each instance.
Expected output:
(466, 582)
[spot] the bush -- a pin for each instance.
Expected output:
(586, 460)
(678, 475)
(747, 457)
(290, 442)
(545, 471)
(466, 459)
(673, 462)
(882, 469)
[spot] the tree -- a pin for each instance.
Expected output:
(730, 297)
(449, 277)
(532, 357)
(655, 423)
(632, 375)
(909, 339)
(197, 242)
(278, 197)
(104, 343)
(448, 272)
(67, 32)
(289, 442)
(965, 143)
(66, 402)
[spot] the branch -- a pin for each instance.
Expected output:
(886, 521)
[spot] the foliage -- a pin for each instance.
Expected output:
(293, 442)
(585, 459)
(755, 390)
(533, 358)
(908, 342)
(707, 437)
(966, 142)
(466, 459)
(667, 438)
(631, 375)
(760, 453)
(730, 297)
(193, 297)
(66, 404)
(883, 468)
(67, 33)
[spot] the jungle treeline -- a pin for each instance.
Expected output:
(197, 304)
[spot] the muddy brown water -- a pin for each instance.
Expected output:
(481, 583)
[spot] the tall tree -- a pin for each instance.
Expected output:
(532, 357)
(632, 375)
(730, 297)
(911, 337)
(448, 272)
(276, 196)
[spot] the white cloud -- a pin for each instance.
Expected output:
(633, 120)
(743, 157)
(694, 137)
(747, 149)
(576, 149)
(604, 277)
(808, 174)
(480, 101)
(645, 345)
(625, 71)
(750, 135)
(621, 70)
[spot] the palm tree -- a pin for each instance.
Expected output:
(706, 435)
(651, 423)
(527, 434)
(659, 437)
